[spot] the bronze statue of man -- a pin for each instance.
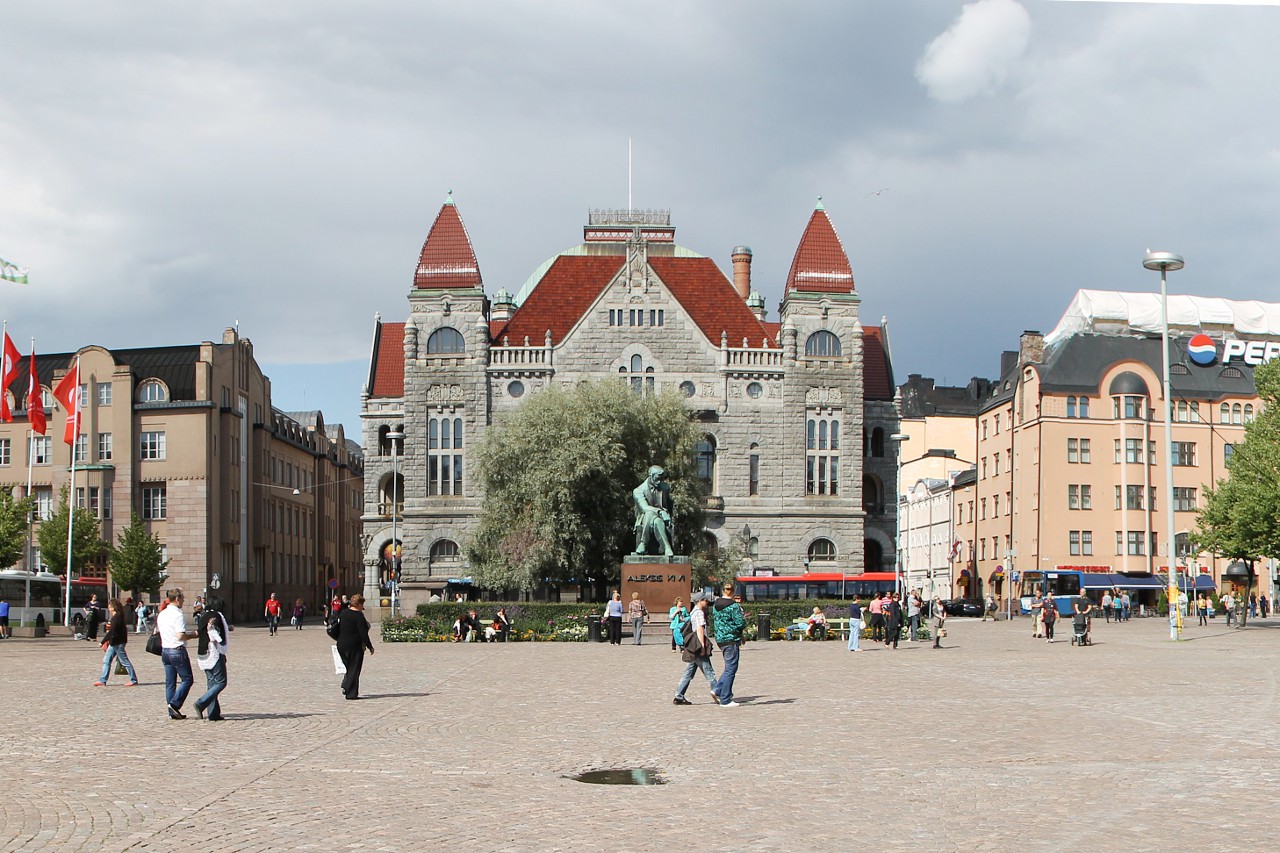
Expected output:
(653, 513)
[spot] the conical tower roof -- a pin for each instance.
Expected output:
(447, 259)
(820, 264)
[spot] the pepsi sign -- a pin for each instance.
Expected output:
(1202, 350)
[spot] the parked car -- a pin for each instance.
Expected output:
(963, 607)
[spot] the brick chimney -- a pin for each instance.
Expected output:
(742, 271)
(1030, 347)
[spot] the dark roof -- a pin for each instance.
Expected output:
(922, 398)
(1077, 364)
(174, 366)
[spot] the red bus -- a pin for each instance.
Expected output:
(814, 585)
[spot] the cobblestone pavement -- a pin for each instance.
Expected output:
(996, 742)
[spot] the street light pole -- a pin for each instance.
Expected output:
(1167, 262)
(901, 564)
(395, 438)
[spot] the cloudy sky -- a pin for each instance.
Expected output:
(167, 170)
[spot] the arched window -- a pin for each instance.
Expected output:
(1236, 417)
(705, 456)
(1195, 413)
(392, 495)
(871, 495)
(384, 442)
(446, 339)
(822, 551)
(1248, 413)
(753, 548)
(872, 555)
(1083, 404)
(1071, 407)
(151, 391)
(1180, 413)
(822, 344)
(638, 375)
(877, 442)
(444, 551)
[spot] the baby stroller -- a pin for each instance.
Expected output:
(1080, 630)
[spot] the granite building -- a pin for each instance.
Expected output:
(796, 414)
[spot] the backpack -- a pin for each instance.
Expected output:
(333, 628)
(685, 633)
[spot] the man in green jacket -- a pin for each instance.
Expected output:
(729, 623)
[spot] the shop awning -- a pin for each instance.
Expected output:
(1097, 580)
(1138, 582)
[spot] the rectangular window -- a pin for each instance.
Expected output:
(1133, 497)
(1184, 454)
(444, 456)
(106, 501)
(151, 445)
(1086, 543)
(41, 450)
(1184, 499)
(1133, 450)
(753, 475)
(1073, 450)
(995, 460)
(983, 516)
(1117, 459)
(822, 443)
(6, 451)
(1073, 497)
(1151, 453)
(995, 506)
(1136, 546)
(104, 393)
(154, 503)
(104, 447)
(44, 504)
(661, 317)
(1080, 497)
(1073, 543)
(82, 448)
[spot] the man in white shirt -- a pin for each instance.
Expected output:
(172, 626)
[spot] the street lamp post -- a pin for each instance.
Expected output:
(1167, 262)
(395, 438)
(901, 564)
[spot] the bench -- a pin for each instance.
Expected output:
(800, 627)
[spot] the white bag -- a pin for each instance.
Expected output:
(338, 667)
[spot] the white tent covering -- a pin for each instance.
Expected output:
(1110, 312)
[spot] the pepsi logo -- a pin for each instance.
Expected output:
(1202, 349)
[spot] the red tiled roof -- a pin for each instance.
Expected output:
(710, 301)
(388, 361)
(563, 295)
(447, 259)
(820, 264)
(877, 373)
(774, 331)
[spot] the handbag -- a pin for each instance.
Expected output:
(154, 646)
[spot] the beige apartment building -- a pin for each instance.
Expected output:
(1070, 453)
(238, 493)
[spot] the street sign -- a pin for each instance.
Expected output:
(333, 583)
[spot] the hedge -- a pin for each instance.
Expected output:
(535, 621)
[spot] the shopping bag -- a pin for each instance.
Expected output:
(338, 668)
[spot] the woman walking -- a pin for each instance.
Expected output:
(676, 617)
(211, 656)
(1050, 611)
(113, 645)
(939, 621)
(697, 656)
(353, 639)
(299, 611)
(637, 613)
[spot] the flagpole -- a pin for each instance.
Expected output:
(74, 414)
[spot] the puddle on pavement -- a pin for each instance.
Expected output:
(625, 776)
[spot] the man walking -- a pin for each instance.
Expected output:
(172, 626)
(729, 625)
(272, 612)
(893, 621)
(697, 654)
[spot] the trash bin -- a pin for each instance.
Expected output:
(763, 627)
(594, 634)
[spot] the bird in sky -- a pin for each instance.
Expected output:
(877, 192)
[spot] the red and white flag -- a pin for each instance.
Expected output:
(35, 403)
(8, 373)
(68, 394)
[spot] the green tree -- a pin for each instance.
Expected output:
(86, 542)
(557, 475)
(137, 561)
(14, 513)
(1241, 516)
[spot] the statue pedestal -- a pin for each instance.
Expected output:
(659, 580)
